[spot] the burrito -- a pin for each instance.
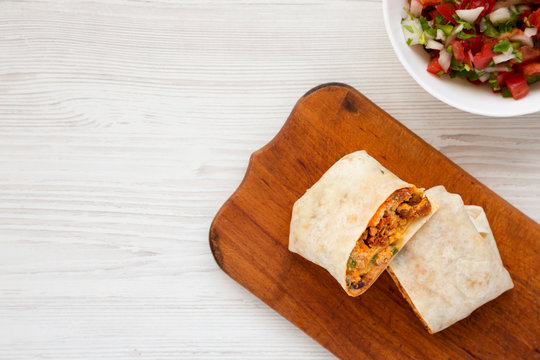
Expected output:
(355, 219)
(452, 265)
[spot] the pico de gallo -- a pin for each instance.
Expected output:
(484, 41)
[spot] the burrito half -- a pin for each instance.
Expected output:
(355, 219)
(452, 265)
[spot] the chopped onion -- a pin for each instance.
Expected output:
(435, 45)
(469, 53)
(470, 15)
(498, 68)
(416, 8)
(500, 15)
(483, 26)
(415, 25)
(484, 78)
(505, 56)
(440, 35)
(521, 8)
(445, 58)
(525, 40)
(453, 34)
(530, 32)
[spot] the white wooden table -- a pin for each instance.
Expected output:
(124, 125)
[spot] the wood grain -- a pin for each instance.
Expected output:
(249, 239)
(125, 125)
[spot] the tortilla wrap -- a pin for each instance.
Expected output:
(354, 207)
(452, 265)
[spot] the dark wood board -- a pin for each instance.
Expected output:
(249, 238)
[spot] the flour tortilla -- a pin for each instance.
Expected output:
(330, 217)
(452, 265)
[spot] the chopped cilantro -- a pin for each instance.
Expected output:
(440, 20)
(409, 28)
(422, 38)
(510, 24)
(456, 65)
(471, 75)
(505, 92)
(447, 29)
(426, 27)
(490, 31)
(494, 84)
(501, 46)
(464, 35)
(532, 79)
(519, 56)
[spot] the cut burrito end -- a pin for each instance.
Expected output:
(384, 237)
(355, 218)
(452, 265)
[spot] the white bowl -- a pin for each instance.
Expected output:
(456, 92)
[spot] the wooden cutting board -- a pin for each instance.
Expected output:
(249, 238)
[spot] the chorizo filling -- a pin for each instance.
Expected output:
(383, 236)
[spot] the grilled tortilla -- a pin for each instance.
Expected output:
(355, 219)
(452, 265)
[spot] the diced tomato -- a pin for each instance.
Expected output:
(458, 50)
(473, 4)
(447, 10)
(429, 2)
(433, 14)
(529, 53)
(532, 69)
(525, 13)
(468, 58)
(473, 44)
(517, 84)
(434, 67)
(483, 58)
(534, 19)
(501, 77)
